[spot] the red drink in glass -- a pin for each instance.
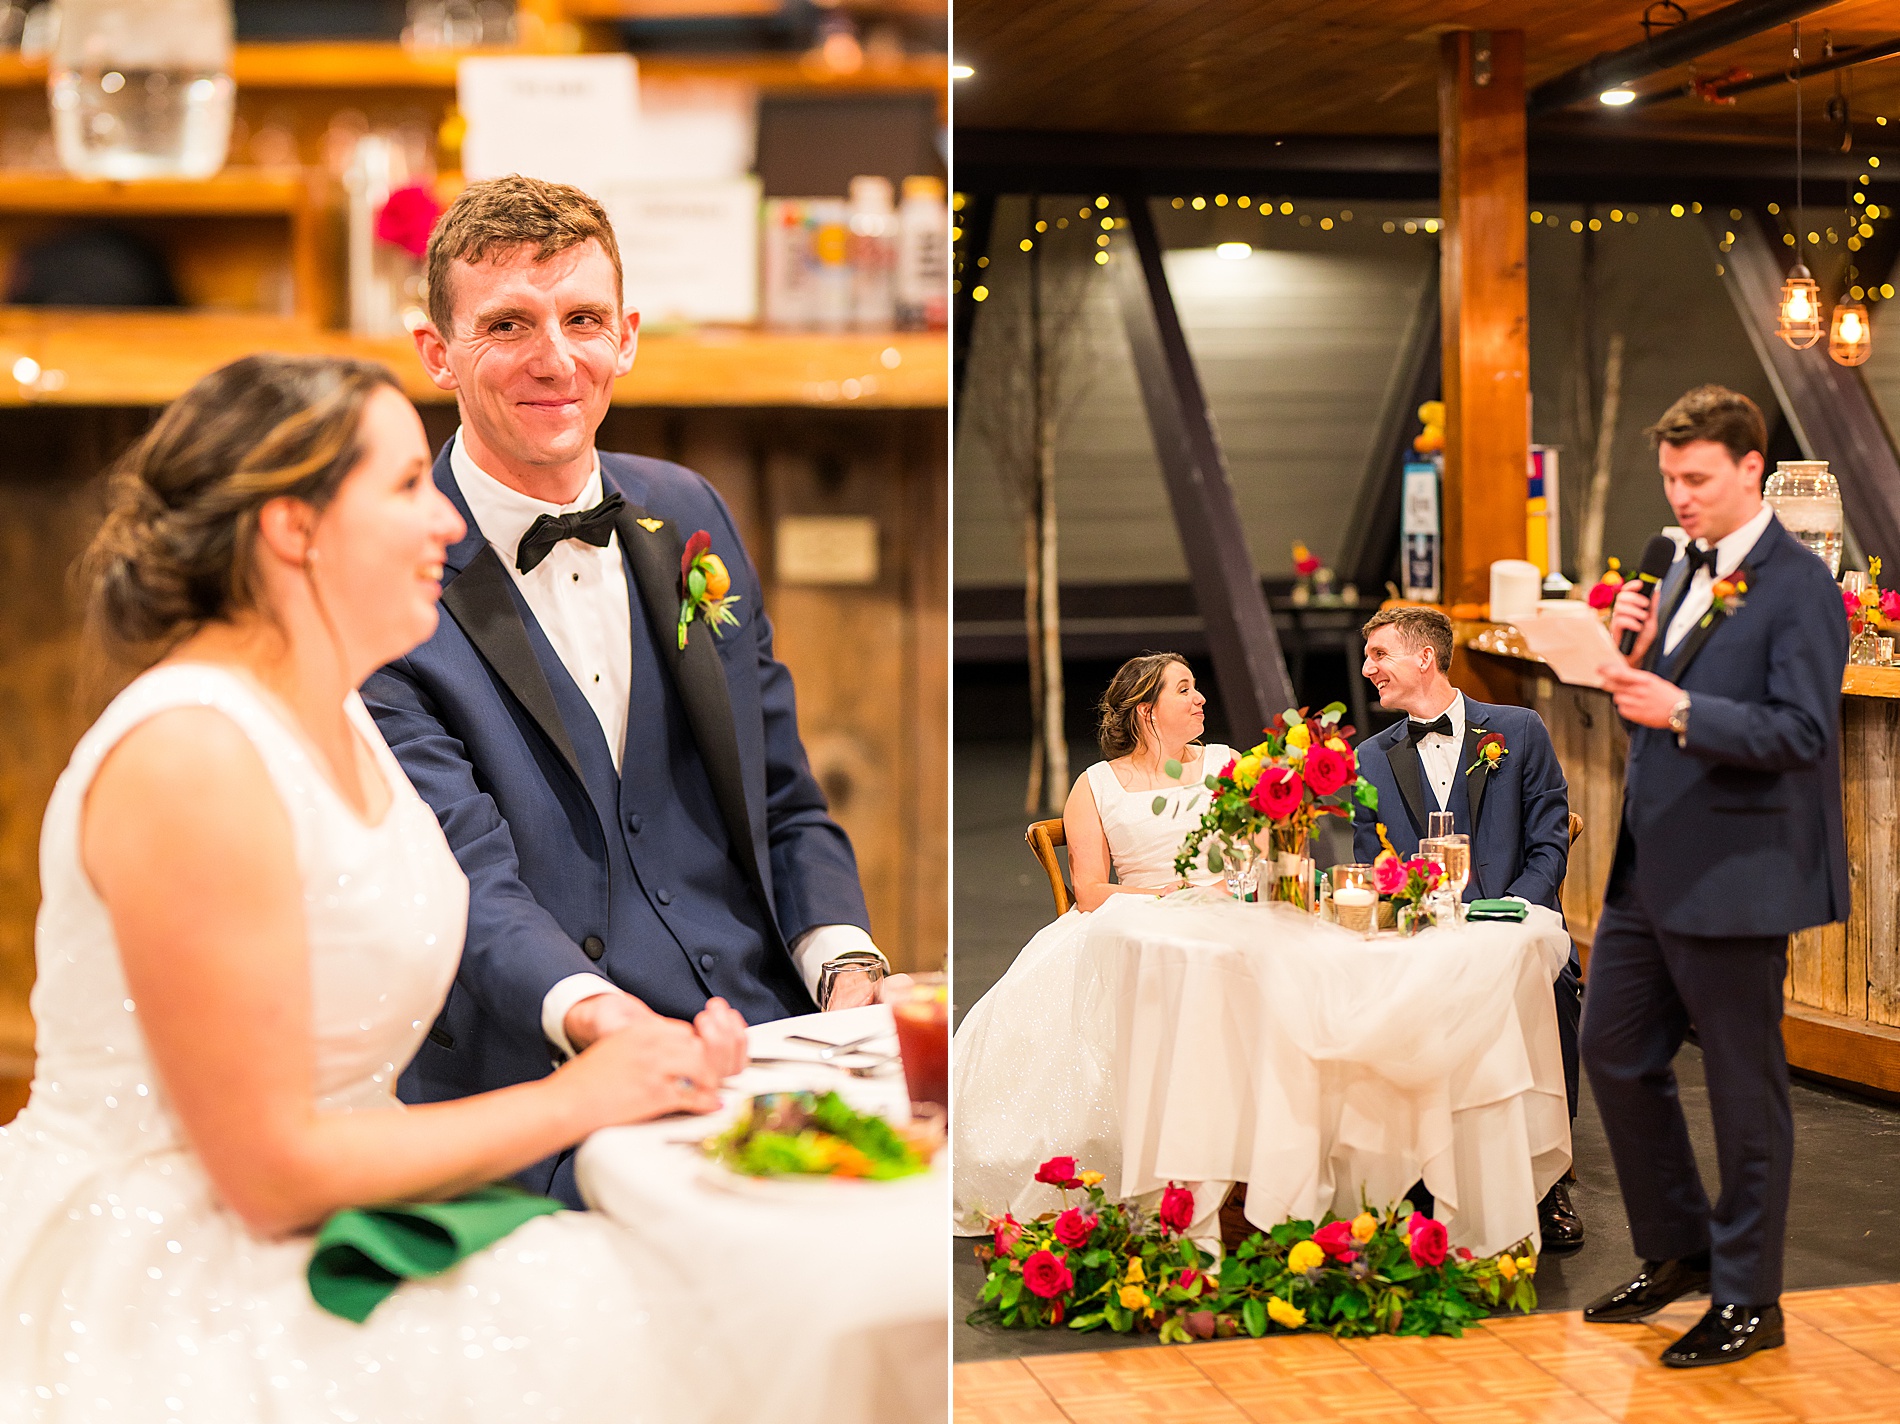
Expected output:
(923, 1038)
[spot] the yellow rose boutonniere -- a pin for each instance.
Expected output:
(1491, 751)
(705, 583)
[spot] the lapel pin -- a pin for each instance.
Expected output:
(652, 526)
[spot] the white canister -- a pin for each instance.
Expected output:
(1516, 588)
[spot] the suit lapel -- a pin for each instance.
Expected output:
(481, 600)
(1704, 629)
(1475, 775)
(1402, 756)
(654, 556)
(1674, 588)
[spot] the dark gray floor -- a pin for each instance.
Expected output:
(1847, 1150)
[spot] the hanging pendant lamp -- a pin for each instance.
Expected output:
(1798, 317)
(1850, 339)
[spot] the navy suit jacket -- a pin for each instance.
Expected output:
(1739, 832)
(688, 873)
(1518, 814)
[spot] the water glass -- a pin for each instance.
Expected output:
(1886, 651)
(1442, 825)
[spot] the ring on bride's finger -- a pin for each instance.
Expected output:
(686, 1085)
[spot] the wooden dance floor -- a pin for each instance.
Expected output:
(1841, 1365)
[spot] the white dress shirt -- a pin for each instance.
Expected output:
(578, 594)
(1438, 754)
(1730, 550)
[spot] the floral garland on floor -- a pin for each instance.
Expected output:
(1105, 1265)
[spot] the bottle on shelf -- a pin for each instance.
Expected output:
(923, 261)
(873, 255)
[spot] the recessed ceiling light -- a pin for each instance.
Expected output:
(1618, 97)
(1234, 251)
(962, 71)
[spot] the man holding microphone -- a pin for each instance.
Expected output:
(1731, 840)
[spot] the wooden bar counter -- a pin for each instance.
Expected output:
(1843, 989)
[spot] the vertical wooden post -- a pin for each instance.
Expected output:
(1486, 295)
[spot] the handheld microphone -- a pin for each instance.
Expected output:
(1658, 554)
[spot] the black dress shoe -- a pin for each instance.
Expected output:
(1658, 1283)
(1558, 1223)
(1725, 1333)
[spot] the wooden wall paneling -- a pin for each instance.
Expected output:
(845, 646)
(725, 451)
(926, 548)
(1855, 811)
(50, 503)
(1485, 289)
(1875, 760)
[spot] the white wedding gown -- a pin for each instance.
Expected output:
(1033, 1058)
(129, 1292)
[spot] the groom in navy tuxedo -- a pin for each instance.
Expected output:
(1516, 809)
(1731, 840)
(625, 790)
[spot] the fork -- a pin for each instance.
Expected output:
(869, 1070)
(828, 1050)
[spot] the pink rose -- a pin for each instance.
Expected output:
(1072, 1228)
(1227, 772)
(1890, 605)
(1046, 1274)
(407, 218)
(1008, 1232)
(1602, 595)
(1327, 770)
(1388, 875)
(1059, 1172)
(1427, 870)
(1850, 602)
(1335, 1239)
(1429, 1243)
(1278, 792)
(1177, 1208)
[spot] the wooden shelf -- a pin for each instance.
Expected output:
(357, 66)
(236, 192)
(144, 358)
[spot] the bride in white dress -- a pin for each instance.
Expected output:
(248, 921)
(1033, 1057)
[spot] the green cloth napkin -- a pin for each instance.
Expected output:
(1512, 910)
(364, 1253)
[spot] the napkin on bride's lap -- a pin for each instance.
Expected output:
(364, 1253)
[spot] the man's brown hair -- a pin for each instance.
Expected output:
(500, 214)
(1417, 627)
(1715, 413)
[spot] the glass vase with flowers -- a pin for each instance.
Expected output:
(1302, 769)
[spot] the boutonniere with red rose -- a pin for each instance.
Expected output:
(1490, 751)
(704, 585)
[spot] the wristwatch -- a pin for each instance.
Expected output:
(1679, 718)
(852, 961)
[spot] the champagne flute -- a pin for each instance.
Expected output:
(1456, 858)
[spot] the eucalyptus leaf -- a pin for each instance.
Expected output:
(1291, 717)
(1160, 804)
(1213, 783)
(1213, 859)
(1172, 768)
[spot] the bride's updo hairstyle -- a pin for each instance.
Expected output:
(177, 549)
(1136, 684)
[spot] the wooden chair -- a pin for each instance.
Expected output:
(1043, 838)
(1583, 950)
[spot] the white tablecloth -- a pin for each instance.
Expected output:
(1256, 1044)
(847, 1282)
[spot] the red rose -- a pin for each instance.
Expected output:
(698, 544)
(1072, 1228)
(1059, 1172)
(1278, 792)
(1046, 1275)
(1327, 770)
(1414, 1221)
(407, 217)
(1008, 1232)
(1602, 595)
(1177, 1208)
(1429, 1244)
(1335, 1239)
(1227, 772)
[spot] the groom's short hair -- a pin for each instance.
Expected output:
(1417, 627)
(500, 214)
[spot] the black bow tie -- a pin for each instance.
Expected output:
(1700, 558)
(595, 526)
(1421, 730)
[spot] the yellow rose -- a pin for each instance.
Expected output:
(1247, 772)
(1338, 744)
(1090, 1179)
(1527, 1264)
(1507, 1268)
(1870, 597)
(1299, 737)
(1363, 1225)
(1305, 1256)
(1133, 1297)
(1282, 1312)
(1135, 1273)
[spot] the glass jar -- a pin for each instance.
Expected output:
(1807, 501)
(142, 88)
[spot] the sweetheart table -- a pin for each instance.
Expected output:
(850, 1280)
(1255, 1043)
